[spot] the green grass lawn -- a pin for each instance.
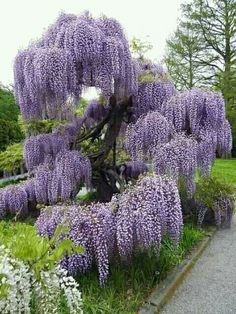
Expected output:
(225, 169)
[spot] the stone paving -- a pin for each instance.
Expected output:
(210, 288)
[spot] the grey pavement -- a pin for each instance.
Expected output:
(210, 288)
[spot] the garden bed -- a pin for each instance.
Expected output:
(128, 286)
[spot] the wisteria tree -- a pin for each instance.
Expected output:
(178, 132)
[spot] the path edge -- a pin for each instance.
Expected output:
(164, 291)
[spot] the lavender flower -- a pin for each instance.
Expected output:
(132, 169)
(14, 201)
(143, 136)
(136, 219)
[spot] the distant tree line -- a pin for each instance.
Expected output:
(10, 131)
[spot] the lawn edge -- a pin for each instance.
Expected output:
(164, 291)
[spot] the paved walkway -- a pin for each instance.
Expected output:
(210, 288)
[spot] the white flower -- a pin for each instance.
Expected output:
(22, 286)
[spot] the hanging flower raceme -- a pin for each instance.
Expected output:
(223, 211)
(178, 158)
(195, 109)
(146, 213)
(38, 149)
(44, 79)
(146, 133)
(13, 200)
(94, 113)
(224, 139)
(152, 95)
(132, 169)
(206, 151)
(92, 227)
(25, 287)
(74, 52)
(153, 90)
(61, 180)
(136, 219)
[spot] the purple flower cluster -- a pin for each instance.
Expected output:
(76, 51)
(94, 113)
(206, 151)
(147, 212)
(154, 88)
(70, 130)
(146, 133)
(224, 139)
(223, 211)
(135, 219)
(178, 158)
(92, 227)
(132, 169)
(40, 148)
(198, 113)
(152, 95)
(14, 200)
(60, 181)
(194, 110)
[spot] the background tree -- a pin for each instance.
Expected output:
(208, 50)
(140, 47)
(9, 128)
(215, 21)
(185, 50)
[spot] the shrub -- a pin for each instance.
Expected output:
(214, 200)
(134, 220)
(11, 160)
(29, 276)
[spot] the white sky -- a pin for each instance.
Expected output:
(24, 20)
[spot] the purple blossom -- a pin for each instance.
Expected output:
(132, 169)
(38, 149)
(152, 95)
(178, 158)
(136, 219)
(14, 201)
(194, 110)
(149, 131)
(74, 52)
(95, 112)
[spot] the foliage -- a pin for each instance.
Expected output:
(80, 108)
(8, 108)
(9, 133)
(211, 188)
(185, 49)
(210, 29)
(34, 127)
(9, 130)
(139, 47)
(11, 160)
(33, 259)
(215, 195)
